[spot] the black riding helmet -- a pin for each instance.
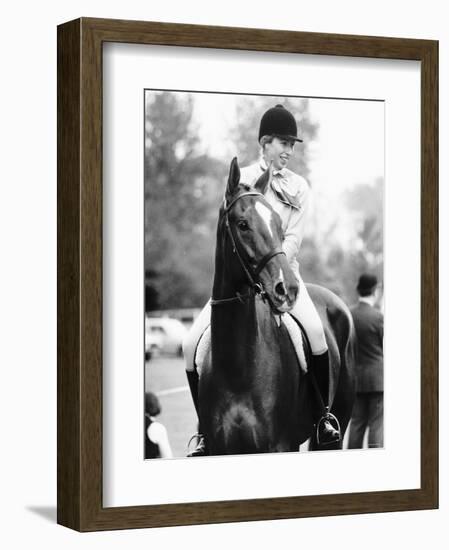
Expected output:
(279, 122)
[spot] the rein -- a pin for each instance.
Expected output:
(255, 285)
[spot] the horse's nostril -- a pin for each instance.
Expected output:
(280, 289)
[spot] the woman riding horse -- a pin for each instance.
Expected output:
(288, 194)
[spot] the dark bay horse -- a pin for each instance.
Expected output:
(253, 396)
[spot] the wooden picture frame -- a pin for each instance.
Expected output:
(80, 274)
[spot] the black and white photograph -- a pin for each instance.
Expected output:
(264, 247)
(212, 213)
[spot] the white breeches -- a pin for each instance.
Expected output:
(303, 310)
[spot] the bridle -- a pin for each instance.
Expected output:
(251, 274)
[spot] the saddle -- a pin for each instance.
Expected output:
(295, 330)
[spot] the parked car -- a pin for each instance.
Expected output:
(163, 335)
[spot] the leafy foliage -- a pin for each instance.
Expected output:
(182, 194)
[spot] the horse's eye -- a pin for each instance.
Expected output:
(243, 225)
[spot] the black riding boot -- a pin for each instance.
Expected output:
(200, 449)
(328, 427)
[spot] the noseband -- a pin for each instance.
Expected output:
(251, 274)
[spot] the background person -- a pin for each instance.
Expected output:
(368, 412)
(156, 437)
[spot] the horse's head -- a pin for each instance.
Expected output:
(253, 235)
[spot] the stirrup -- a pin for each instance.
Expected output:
(328, 429)
(200, 449)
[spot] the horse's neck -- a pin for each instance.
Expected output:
(234, 326)
(236, 318)
(234, 331)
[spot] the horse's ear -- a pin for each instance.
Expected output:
(233, 179)
(264, 179)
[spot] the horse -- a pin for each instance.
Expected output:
(253, 395)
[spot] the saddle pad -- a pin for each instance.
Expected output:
(202, 349)
(291, 325)
(296, 338)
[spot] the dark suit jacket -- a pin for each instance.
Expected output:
(369, 328)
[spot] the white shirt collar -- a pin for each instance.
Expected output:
(264, 166)
(367, 300)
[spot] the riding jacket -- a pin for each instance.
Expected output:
(288, 194)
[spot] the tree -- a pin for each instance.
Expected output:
(182, 193)
(361, 214)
